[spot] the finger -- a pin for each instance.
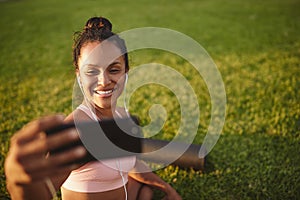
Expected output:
(25, 177)
(33, 129)
(55, 161)
(62, 139)
(41, 146)
(56, 172)
(35, 169)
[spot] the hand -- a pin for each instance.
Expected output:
(171, 194)
(27, 161)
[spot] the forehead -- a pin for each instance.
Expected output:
(99, 54)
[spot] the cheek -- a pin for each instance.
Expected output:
(89, 84)
(121, 81)
(121, 86)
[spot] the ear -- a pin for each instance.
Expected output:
(126, 70)
(77, 72)
(78, 77)
(126, 78)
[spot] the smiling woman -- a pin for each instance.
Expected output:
(101, 66)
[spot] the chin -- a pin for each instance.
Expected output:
(105, 104)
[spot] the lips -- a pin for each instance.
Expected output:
(104, 93)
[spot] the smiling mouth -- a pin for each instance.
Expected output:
(104, 93)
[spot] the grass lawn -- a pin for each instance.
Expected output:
(255, 44)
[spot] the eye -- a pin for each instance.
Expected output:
(92, 72)
(114, 70)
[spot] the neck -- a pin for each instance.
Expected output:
(104, 113)
(101, 113)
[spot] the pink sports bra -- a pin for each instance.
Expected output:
(99, 176)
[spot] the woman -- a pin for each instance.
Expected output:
(101, 65)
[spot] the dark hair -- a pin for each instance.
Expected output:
(97, 29)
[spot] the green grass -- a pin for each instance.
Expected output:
(255, 45)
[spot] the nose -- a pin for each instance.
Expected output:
(104, 79)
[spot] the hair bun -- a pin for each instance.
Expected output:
(98, 23)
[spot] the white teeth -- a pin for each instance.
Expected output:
(104, 92)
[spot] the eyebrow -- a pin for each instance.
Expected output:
(91, 65)
(114, 63)
(97, 66)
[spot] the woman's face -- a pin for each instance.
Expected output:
(102, 73)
